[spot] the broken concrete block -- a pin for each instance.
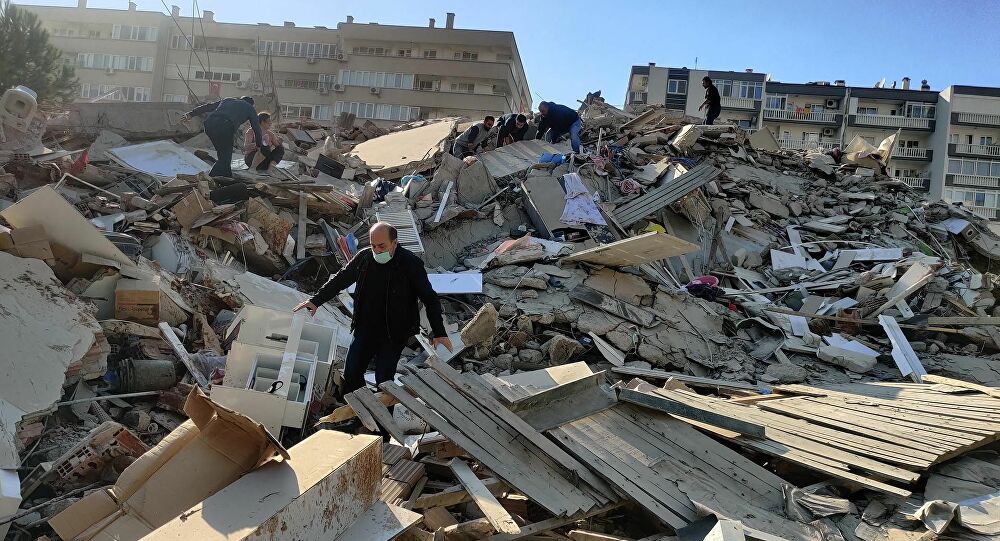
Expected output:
(855, 361)
(512, 276)
(785, 373)
(530, 356)
(771, 205)
(481, 327)
(600, 323)
(821, 162)
(625, 286)
(562, 349)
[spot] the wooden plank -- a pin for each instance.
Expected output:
(558, 392)
(487, 503)
(208, 336)
(645, 248)
(344, 413)
(523, 429)
(586, 535)
(693, 381)
(456, 495)
(609, 352)
(552, 523)
(476, 529)
(991, 391)
(618, 307)
(380, 412)
(300, 236)
(912, 280)
(362, 412)
(438, 517)
(668, 403)
(906, 359)
(182, 354)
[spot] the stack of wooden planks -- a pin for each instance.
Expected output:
(881, 436)
(463, 409)
(677, 473)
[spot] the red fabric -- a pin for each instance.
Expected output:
(80, 163)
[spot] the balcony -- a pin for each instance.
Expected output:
(976, 119)
(742, 104)
(912, 153)
(638, 97)
(803, 116)
(974, 151)
(804, 144)
(919, 183)
(891, 121)
(956, 179)
(989, 213)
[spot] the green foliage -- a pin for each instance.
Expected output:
(27, 58)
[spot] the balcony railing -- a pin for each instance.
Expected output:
(804, 144)
(989, 213)
(974, 180)
(805, 116)
(916, 182)
(737, 103)
(912, 152)
(979, 119)
(893, 121)
(992, 151)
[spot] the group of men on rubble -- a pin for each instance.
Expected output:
(554, 122)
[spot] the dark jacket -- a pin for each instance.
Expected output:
(558, 119)
(405, 283)
(713, 98)
(234, 110)
(508, 126)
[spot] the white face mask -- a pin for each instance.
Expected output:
(382, 257)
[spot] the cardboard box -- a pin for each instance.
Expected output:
(202, 456)
(31, 242)
(191, 207)
(329, 483)
(138, 300)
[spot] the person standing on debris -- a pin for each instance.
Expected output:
(224, 118)
(467, 143)
(389, 281)
(273, 151)
(558, 120)
(512, 129)
(712, 100)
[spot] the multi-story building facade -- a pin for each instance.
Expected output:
(382, 73)
(949, 142)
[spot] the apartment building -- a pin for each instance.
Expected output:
(383, 73)
(949, 141)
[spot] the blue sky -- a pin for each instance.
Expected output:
(570, 48)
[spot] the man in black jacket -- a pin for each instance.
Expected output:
(712, 100)
(389, 281)
(513, 126)
(224, 118)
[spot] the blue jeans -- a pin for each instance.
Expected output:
(363, 350)
(574, 135)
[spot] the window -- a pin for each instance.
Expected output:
(430, 54)
(404, 53)
(118, 62)
(677, 86)
(953, 138)
(467, 56)
(225, 76)
(749, 89)
(468, 88)
(326, 80)
(426, 85)
(134, 33)
(867, 110)
(920, 110)
(378, 79)
(370, 51)
(776, 102)
(810, 136)
(89, 91)
(982, 168)
(175, 98)
(180, 42)
(296, 111)
(378, 111)
(322, 112)
(638, 96)
(986, 140)
(644, 81)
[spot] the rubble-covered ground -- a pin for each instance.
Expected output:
(669, 251)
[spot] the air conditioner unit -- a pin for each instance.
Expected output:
(338, 87)
(324, 90)
(374, 90)
(258, 86)
(341, 57)
(828, 132)
(241, 84)
(311, 60)
(832, 104)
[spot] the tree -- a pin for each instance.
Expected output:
(27, 58)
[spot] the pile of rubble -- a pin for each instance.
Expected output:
(684, 332)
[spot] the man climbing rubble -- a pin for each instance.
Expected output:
(389, 281)
(512, 128)
(467, 143)
(712, 100)
(224, 118)
(557, 121)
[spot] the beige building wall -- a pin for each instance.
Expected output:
(416, 72)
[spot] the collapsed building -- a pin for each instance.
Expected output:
(684, 333)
